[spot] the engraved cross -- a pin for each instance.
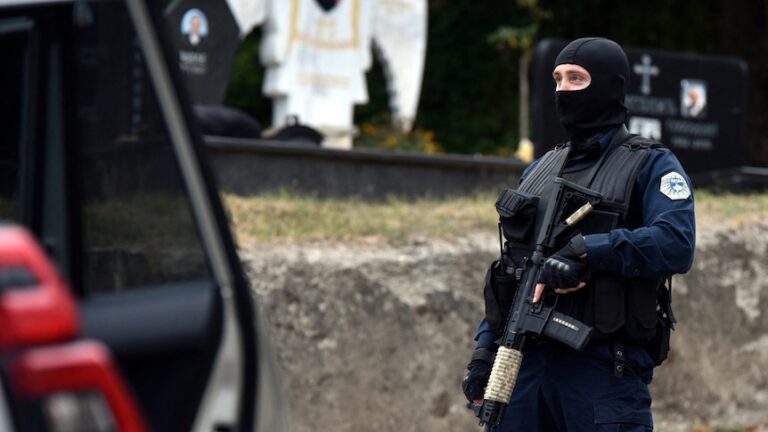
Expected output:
(646, 69)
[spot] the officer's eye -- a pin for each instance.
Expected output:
(577, 78)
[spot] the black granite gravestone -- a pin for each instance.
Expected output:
(206, 37)
(695, 105)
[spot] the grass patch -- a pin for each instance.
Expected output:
(290, 218)
(285, 217)
(730, 210)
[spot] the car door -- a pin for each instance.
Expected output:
(105, 167)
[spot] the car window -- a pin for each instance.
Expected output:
(14, 44)
(137, 227)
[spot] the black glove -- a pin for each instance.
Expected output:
(476, 379)
(567, 267)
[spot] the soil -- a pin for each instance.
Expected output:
(372, 336)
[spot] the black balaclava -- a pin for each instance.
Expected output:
(600, 106)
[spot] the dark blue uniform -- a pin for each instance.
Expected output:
(562, 389)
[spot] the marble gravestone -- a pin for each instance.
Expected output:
(316, 53)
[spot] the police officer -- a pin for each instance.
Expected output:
(608, 275)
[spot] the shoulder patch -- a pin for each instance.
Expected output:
(674, 186)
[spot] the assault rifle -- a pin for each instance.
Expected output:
(527, 319)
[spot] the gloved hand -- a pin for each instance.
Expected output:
(479, 370)
(567, 267)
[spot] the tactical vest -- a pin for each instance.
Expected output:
(614, 305)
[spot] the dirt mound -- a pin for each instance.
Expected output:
(377, 337)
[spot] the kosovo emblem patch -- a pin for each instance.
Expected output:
(674, 186)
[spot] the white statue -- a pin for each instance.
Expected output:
(317, 52)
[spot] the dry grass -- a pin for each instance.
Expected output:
(729, 210)
(290, 218)
(285, 218)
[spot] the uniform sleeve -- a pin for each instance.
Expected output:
(665, 244)
(484, 337)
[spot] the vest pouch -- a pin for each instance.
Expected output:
(499, 293)
(659, 345)
(642, 316)
(517, 214)
(608, 302)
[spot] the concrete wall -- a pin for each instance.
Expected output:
(256, 166)
(377, 337)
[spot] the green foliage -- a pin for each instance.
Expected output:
(522, 37)
(516, 38)
(245, 81)
(469, 95)
(384, 136)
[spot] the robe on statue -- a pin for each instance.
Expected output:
(317, 52)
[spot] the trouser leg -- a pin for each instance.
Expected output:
(524, 412)
(562, 390)
(584, 394)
